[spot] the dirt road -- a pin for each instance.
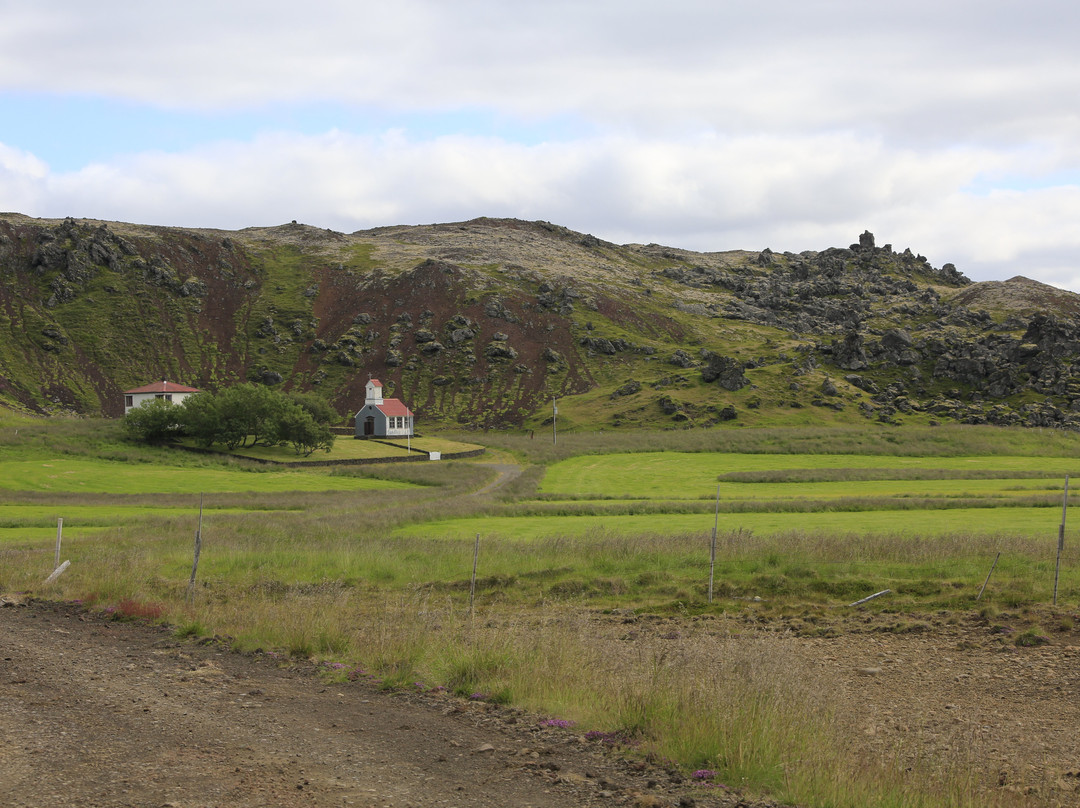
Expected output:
(95, 712)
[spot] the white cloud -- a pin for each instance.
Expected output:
(22, 180)
(705, 193)
(913, 70)
(947, 127)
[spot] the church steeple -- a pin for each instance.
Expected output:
(373, 392)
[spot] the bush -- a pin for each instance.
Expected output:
(155, 421)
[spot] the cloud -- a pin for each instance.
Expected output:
(946, 127)
(22, 180)
(913, 71)
(705, 192)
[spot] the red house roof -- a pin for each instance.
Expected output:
(163, 387)
(392, 406)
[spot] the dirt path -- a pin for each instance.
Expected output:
(505, 472)
(95, 712)
(101, 713)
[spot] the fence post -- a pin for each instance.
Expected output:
(198, 548)
(59, 533)
(992, 566)
(472, 582)
(1061, 537)
(712, 550)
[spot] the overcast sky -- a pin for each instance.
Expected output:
(950, 127)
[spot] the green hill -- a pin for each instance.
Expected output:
(482, 323)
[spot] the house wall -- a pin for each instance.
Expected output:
(137, 399)
(404, 430)
(383, 427)
(380, 421)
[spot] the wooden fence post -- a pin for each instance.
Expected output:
(57, 572)
(871, 597)
(472, 583)
(59, 533)
(1061, 537)
(992, 566)
(712, 550)
(198, 549)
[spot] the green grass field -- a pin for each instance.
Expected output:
(691, 475)
(371, 565)
(63, 474)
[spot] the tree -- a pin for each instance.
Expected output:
(248, 411)
(299, 429)
(316, 406)
(199, 415)
(154, 421)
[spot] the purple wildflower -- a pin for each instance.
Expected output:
(562, 723)
(704, 774)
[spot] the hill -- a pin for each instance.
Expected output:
(482, 323)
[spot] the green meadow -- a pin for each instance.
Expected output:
(371, 566)
(63, 474)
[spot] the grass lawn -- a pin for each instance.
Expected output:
(692, 475)
(65, 474)
(346, 448)
(1033, 522)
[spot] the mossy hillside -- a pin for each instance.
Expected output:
(865, 332)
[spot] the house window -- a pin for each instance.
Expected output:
(129, 401)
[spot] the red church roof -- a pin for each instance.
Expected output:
(163, 387)
(392, 406)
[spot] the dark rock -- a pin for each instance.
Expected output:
(682, 359)
(849, 353)
(500, 350)
(725, 371)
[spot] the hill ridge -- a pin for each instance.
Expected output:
(481, 323)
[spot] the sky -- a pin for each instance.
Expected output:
(949, 127)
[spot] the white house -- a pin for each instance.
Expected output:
(382, 417)
(170, 391)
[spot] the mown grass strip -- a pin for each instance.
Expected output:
(64, 474)
(1028, 521)
(691, 475)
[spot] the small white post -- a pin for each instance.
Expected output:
(871, 597)
(57, 572)
(59, 534)
(554, 415)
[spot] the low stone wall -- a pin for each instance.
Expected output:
(415, 457)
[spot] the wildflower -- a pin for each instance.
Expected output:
(562, 723)
(478, 696)
(703, 774)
